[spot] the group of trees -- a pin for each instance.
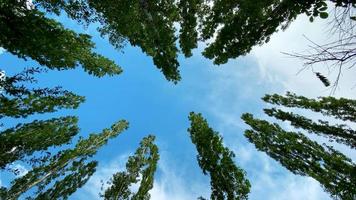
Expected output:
(232, 28)
(229, 28)
(298, 153)
(40, 144)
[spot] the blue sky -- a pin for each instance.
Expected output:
(152, 105)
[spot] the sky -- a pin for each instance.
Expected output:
(222, 93)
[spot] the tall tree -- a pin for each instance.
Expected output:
(343, 109)
(227, 180)
(25, 139)
(140, 168)
(143, 23)
(28, 33)
(334, 171)
(71, 163)
(18, 100)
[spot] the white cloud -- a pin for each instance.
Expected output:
(283, 69)
(19, 169)
(2, 50)
(172, 184)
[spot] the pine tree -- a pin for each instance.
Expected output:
(140, 168)
(27, 33)
(71, 163)
(302, 156)
(227, 180)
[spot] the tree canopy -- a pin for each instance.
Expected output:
(230, 28)
(140, 169)
(226, 179)
(27, 33)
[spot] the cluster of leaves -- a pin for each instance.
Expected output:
(140, 168)
(227, 180)
(334, 171)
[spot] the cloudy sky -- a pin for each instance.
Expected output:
(222, 93)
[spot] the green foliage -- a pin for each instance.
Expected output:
(27, 33)
(17, 100)
(140, 168)
(79, 175)
(53, 176)
(25, 139)
(70, 162)
(339, 133)
(230, 28)
(227, 180)
(343, 109)
(189, 11)
(144, 23)
(75, 9)
(335, 172)
(245, 24)
(323, 79)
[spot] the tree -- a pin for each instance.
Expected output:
(25, 139)
(147, 24)
(68, 164)
(140, 168)
(143, 23)
(302, 156)
(19, 101)
(27, 33)
(227, 180)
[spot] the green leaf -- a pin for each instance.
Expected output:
(323, 8)
(323, 15)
